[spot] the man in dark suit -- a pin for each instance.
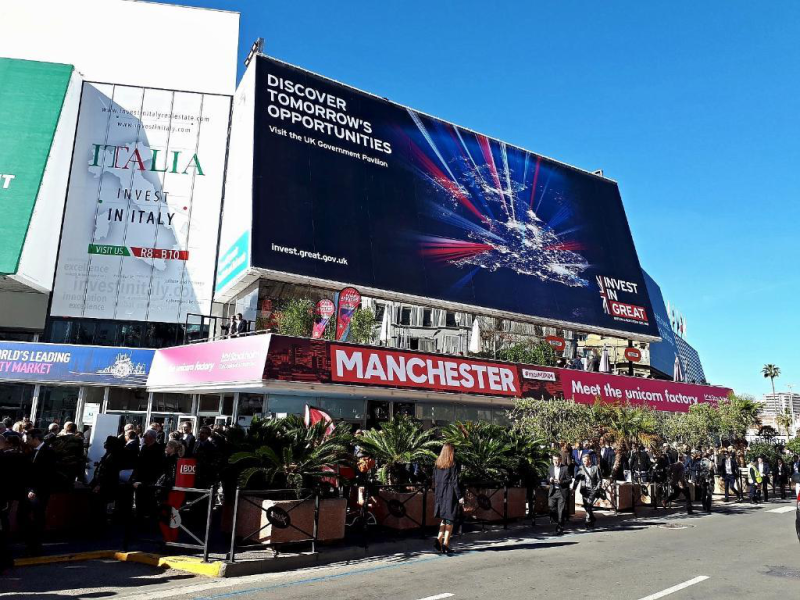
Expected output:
(39, 480)
(764, 471)
(188, 438)
(149, 467)
(607, 457)
(728, 469)
(242, 326)
(559, 480)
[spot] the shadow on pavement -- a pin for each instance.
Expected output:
(100, 579)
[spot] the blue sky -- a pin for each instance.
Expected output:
(693, 109)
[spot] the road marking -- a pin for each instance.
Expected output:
(675, 588)
(437, 596)
(782, 509)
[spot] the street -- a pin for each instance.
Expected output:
(739, 551)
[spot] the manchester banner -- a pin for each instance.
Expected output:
(320, 361)
(142, 216)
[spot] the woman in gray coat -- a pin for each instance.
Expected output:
(448, 496)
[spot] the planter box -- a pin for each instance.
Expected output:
(486, 504)
(402, 510)
(540, 500)
(627, 492)
(281, 520)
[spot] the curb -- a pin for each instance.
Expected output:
(189, 564)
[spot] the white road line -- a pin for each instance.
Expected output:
(782, 509)
(675, 588)
(436, 597)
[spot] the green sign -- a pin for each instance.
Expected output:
(31, 97)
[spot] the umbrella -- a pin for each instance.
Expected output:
(386, 324)
(605, 364)
(475, 337)
(677, 371)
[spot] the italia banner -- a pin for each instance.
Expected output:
(349, 300)
(322, 314)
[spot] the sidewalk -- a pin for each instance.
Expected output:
(377, 544)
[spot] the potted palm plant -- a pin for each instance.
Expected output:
(293, 462)
(399, 448)
(496, 467)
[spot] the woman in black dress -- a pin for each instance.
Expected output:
(448, 496)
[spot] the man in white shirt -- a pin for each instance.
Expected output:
(763, 469)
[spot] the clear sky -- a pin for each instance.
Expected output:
(691, 107)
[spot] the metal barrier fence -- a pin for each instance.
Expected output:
(485, 504)
(174, 519)
(277, 517)
(397, 504)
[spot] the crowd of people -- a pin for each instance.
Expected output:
(667, 473)
(135, 471)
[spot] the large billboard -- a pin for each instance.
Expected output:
(141, 224)
(663, 353)
(349, 188)
(31, 97)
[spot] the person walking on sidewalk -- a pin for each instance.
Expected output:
(590, 479)
(559, 480)
(780, 479)
(448, 496)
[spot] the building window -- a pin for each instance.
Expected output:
(438, 413)
(172, 403)
(379, 310)
(427, 318)
(350, 409)
(125, 400)
(208, 403)
(57, 404)
(15, 400)
(405, 316)
(288, 405)
(450, 319)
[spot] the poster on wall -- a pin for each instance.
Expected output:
(142, 215)
(354, 189)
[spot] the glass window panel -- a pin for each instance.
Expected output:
(227, 404)
(250, 404)
(131, 335)
(62, 332)
(341, 408)
(57, 404)
(172, 403)
(86, 332)
(15, 400)
(437, 412)
(127, 400)
(500, 417)
(466, 413)
(105, 334)
(208, 403)
(289, 404)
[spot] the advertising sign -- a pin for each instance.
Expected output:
(23, 361)
(633, 354)
(351, 188)
(171, 517)
(31, 97)
(318, 361)
(348, 300)
(407, 369)
(323, 313)
(662, 354)
(142, 215)
(223, 361)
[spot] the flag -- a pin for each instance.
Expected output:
(323, 313)
(313, 416)
(349, 299)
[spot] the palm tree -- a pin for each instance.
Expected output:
(483, 450)
(771, 371)
(785, 421)
(396, 444)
